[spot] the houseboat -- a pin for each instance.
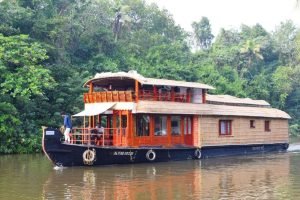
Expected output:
(128, 118)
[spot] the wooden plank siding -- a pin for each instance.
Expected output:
(196, 130)
(241, 131)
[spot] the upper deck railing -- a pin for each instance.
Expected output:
(130, 96)
(109, 96)
(164, 96)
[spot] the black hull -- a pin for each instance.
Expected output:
(63, 154)
(72, 155)
(247, 149)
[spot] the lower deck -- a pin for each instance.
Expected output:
(118, 137)
(121, 128)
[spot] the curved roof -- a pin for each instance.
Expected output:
(208, 109)
(147, 81)
(227, 99)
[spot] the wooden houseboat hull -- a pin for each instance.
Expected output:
(65, 154)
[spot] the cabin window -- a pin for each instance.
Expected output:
(225, 127)
(187, 125)
(252, 123)
(118, 122)
(197, 95)
(142, 125)
(175, 125)
(160, 125)
(123, 124)
(267, 126)
(124, 121)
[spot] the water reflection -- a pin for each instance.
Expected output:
(256, 177)
(22, 176)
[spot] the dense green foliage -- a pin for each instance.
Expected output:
(48, 49)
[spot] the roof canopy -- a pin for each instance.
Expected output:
(94, 109)
(145, 81)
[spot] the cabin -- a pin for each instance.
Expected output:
(136, 111)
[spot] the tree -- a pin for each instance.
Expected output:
(285, 42)
(22, 79)
(202, 33)
(283, 83)
(15, 19)
(297, 44)
(289, 81)
(169, 61)
(22, 74)
(251, 51)
(248, 32)
(259, 87)
(226, 81)
(121, 20)
(225, 50)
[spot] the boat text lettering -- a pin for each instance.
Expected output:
(123, 153)
(258, 148)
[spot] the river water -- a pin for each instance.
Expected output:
(264, 176)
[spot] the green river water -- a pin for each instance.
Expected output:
(264, 176)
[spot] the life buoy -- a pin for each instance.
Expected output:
(89, 156)
(151, 155)
(198, 153)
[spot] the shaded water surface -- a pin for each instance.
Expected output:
(269, 176)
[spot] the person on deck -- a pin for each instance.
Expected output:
(67, 126)
(100, 128)
(99, 133)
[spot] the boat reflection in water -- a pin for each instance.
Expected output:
(255, 177)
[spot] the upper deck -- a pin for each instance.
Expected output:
(132, 87)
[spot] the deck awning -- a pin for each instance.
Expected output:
(94, 109)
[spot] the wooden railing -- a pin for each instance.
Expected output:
(108, 96)
(119, 137)
(129, 96)
(164, 96)
(90, 136)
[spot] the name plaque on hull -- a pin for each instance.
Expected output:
(50, 132)
(123, 153)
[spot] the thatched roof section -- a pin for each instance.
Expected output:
(231, 100)
(208, 109)
(146, 81)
